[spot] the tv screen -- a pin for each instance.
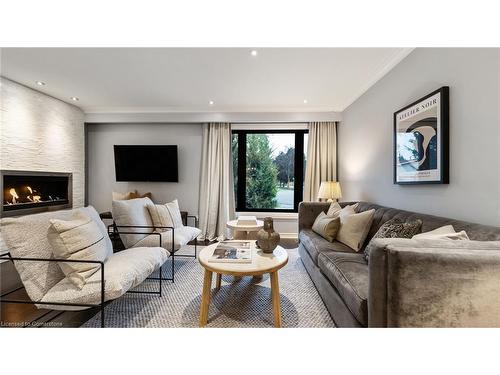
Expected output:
(146, 163)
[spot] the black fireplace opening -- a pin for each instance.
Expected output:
(27, 192)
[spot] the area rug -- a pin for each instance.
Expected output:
(244, 302)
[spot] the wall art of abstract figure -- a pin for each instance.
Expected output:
(421, 137)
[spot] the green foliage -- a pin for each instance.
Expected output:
(261, 184)
(285, 164)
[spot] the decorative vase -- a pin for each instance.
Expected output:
(267, 238)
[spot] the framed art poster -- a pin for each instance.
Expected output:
(421, 140)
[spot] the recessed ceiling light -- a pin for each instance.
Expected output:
(74, 98)
(253, 53)
(305, 101)
(40, 83)
(211, 102)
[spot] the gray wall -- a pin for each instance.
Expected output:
(366, 140)
(101, 167)
(188, 137)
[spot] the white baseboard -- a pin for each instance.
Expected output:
(291, 236)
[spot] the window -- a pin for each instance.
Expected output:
(268, 169)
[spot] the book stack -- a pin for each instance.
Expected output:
(247, 220)
(232, 252)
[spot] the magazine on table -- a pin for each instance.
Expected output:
(232, 252)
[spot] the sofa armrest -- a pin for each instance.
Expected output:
(309, 211)
(434, 284)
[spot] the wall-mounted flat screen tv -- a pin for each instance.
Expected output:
(153, 163)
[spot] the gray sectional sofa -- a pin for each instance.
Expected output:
(407, 283)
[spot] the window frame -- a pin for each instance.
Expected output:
(299, 169)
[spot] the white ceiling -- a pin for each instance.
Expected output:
(186, 79)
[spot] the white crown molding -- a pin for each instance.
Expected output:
(201, 117)
(301, 109)
(386, 68)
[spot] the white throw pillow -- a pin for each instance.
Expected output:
(354, 228)
(335, 209)
(446, 232)
(77, 239)
(175, 213)
(133, 212)
(165, 215)
(160, 216)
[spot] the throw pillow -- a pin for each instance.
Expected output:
(335, 209)
(77, 239)
(327, 227)
(354, 228)
(394, 228)
(165, 215)
(446, 232)
(117, 196)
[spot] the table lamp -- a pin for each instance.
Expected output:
(329, 190)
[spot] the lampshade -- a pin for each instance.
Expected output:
(329, 190)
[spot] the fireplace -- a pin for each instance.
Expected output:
(26, 192)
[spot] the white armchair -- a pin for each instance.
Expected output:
(133, 222)
(45, 283)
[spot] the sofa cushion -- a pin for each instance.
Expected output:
(122, 271)
(354, 228)
(348, 273)
(26, 236)
(132, 212)
(77, 239)
(477, 232)
(315, 244)
(394, 228)
(446, 232)
(182, 236)
(327, 227)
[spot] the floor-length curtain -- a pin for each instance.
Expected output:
(216, 186)
(321, 157)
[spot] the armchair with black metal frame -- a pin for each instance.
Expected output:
(8, 256)
(115, 229)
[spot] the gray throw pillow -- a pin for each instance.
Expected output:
(395, 228)
(326, 226)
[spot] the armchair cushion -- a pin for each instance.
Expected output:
(181, 237)
(77, 239)
(26, 236)
(132, 212)
(122, 271)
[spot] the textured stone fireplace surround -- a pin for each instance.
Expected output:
(41, 133)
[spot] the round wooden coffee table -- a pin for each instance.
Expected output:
(245, 232)
(261, 263)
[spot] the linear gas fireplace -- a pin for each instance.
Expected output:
(26, 192)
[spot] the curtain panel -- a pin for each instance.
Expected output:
(216, 200)
(321, 162)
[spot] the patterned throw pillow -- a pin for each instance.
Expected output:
(395, 228)
(165, 215)
(327, 227)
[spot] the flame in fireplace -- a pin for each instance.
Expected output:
(33, 198)
(14, 195)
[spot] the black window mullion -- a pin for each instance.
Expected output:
(242, 172)
(298, 169)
